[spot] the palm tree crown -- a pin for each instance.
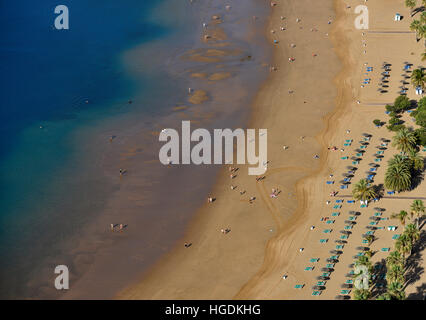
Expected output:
(363, 191)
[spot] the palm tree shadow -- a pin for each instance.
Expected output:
(414, 267)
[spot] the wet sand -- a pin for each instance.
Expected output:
(266, 235)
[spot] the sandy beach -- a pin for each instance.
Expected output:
(307, 105)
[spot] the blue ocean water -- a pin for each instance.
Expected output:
(46, 77)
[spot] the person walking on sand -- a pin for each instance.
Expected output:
(112, 227)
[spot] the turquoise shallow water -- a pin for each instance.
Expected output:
(52, 178)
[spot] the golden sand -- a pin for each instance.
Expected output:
(265, 237)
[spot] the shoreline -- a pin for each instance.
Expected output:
(201, 221)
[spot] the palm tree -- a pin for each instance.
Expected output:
(361, 294)
(395, 273)
(416, 26)
(399, 160)
(410, 4)
(412, 233)
(401, 216)
(363, 191)
(396, 290)
(405, 140)
(395, 258)
(418, 77)
(416, 160)
(403, 245)
(370, 238)
(384, 296)
(418, 208)
(398, 178)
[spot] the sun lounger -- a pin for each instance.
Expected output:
(349, 281)
(329, 265)
(359, 154)
(377, 160)
(373, 169)
(347, 179)
(343, 237)
(391, 192)
(364, 241)
(373, 223)
(349, 140)
(309, 268)
(345, 292)
(321, 283)
(316, 293)
(377, 214)
(334, 257)
(339, 246)
(337, 206)
(343, 186)
(299, 286)
(344, 158)
(395, 236)
(363, 147)
(330, 182)
(314, 260)
(350, 201)
(328, 230)
(352, 218)
(335, 214)
(339, 201)
(346, 144)
(323, 240)
(326, 274)
(355, 162)
(369, 233)
(385, 249)
(363, 206)
(348, 228)
(329, 221)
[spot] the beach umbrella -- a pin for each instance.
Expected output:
(322, 278)
(327, 269)
(345, 232)
(318, 287)
(350, 222)
(362, 248)
(336, 252)
(332, 260)
(340, 241)
(353, 212)
(366, 135)
(379, 209)
(346, 286)
(370, 228)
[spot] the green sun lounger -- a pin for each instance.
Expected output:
(359, 154)
(395, 236)
(309, 268)
(355, 162)
(352, 218)
(349, 140)
(335, 214)
(299, 286)
(345, 291)
(329, 265)
(363, 147)
(314, 260)
(323, 240)
(363, 206)
(321, 283)
(369, 233)
(339, 246)
(349, 281)
(385, 249)
(373, 223)
(325, 274)
(348, 227)
(335, 257)
(337, 206)
(343, 237)
(365, 241)
(377, 214)
(316, 293)
(328, 230)
(346, 144)
(344, 158)
(330, 222)
(378, 160)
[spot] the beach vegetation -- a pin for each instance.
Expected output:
(418, 209)
(401, 216)
(418, 78)
(396, 290)
(405, 140)
(398, 178)
(402, 103)
(362, 294)
(363, 191)
(404, 245)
